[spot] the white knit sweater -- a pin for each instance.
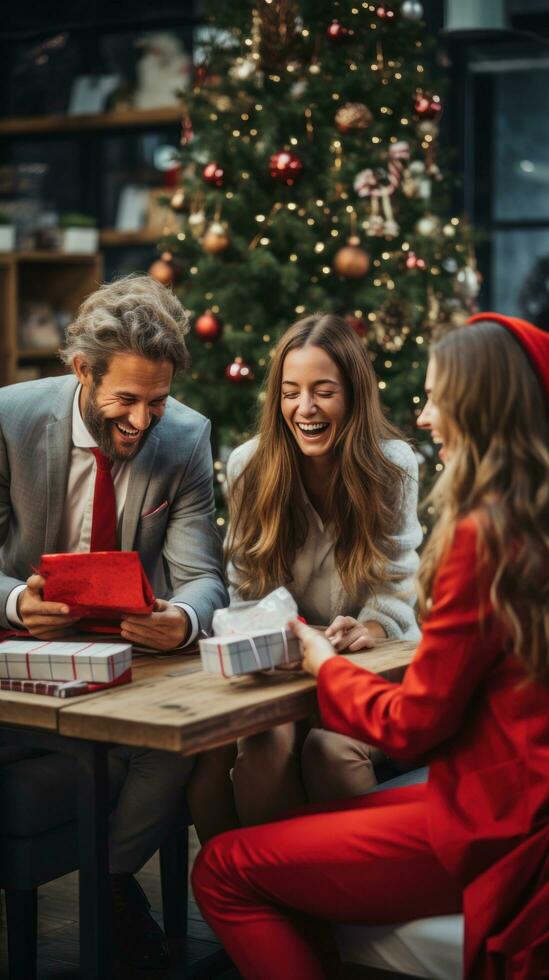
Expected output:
(316, 585)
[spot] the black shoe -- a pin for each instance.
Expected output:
(137, 939)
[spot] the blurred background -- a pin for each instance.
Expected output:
(112, 112)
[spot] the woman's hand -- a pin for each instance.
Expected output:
(346, 633)
(316, 648)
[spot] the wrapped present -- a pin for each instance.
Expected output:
(246, 654)
(57, 660)
(98, 586)
(251, 636)
(61, 689)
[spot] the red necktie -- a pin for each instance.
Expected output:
(103, 532)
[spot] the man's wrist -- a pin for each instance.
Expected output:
(12, 606)
(192, 620)
(188, 626)
(194, 625)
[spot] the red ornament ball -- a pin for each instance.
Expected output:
(359, 325)
(413, 261)
(208, 327)
(213, 174)
(385, 13)
(285, 167)
(337, 32)
(238, 371)
(427, 106)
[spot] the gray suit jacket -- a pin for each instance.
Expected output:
(179, 545)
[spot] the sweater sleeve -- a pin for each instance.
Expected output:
(236, 464)
(393, 605)
(456, 651)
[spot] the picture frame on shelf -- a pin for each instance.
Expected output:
(91, 94)
(132, 210)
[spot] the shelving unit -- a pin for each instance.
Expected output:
(62, 280)
(85, 162)
(31, 126)
(110, 237)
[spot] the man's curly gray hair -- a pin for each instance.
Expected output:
(133, 315)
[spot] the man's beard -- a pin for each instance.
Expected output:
(101, 430)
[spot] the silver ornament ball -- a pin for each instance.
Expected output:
(411, 10)
(428, 225)
(467, 284)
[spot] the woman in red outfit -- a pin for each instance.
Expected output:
(474, 701)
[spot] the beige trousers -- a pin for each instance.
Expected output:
(274, 773)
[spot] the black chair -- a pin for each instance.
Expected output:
(39, 842)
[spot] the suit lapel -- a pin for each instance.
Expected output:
(140, 474)
(58, 442)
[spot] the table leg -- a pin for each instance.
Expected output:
(93, 821)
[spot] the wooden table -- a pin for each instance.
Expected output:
(173, 705)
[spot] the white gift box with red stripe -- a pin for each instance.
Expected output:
(248, 653)
(64, 660)
(251, 636)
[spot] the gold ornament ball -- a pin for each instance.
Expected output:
(428, 127)
(197, 222)
(178, 200)
(216, 239)
(352, 261)
(353, 115)
(162, 270)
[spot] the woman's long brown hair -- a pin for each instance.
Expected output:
(496, 420)
(268, 525)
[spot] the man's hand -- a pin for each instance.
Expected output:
(167, 627)
(316, 648)
(46, 620)
(346, 633)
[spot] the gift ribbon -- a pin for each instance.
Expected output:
(73, 658)
(255, 652)
(33, 650)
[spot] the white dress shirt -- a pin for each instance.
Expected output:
(75, 534)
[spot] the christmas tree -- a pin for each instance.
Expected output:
(311, 181)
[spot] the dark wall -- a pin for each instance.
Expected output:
(34, 17)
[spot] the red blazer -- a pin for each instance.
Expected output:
(466, 704)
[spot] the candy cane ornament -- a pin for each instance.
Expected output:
(366, 184)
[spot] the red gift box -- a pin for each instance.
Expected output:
(98, 586)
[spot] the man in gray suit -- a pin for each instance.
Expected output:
(125, 345)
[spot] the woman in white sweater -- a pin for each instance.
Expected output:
(323, 501)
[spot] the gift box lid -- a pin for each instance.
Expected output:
(97, 583)
(100, 653)
(212, 642)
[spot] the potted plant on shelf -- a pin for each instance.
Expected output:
(79, 234)
(7, 233)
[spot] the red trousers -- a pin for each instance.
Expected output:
(365, 860)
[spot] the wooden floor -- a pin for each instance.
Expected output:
(58, 952)
(58, 956)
